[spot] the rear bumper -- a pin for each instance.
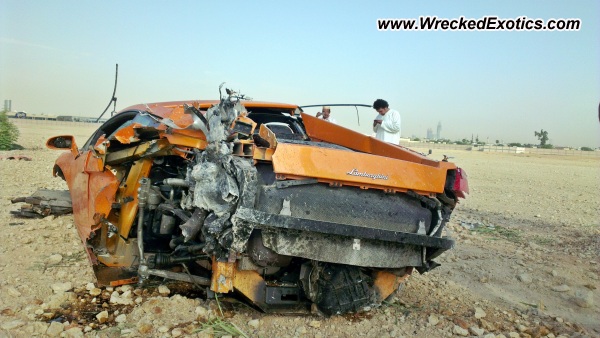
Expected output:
(342, 243)
(265, 220)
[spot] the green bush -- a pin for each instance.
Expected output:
(9, 133)
(587, 149)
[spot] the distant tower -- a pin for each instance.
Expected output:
(439, 130)
(7, 105)
(429, 134)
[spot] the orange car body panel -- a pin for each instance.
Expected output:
(127, 135)
(186, 141)
(223, 274)
(249, 283)
(333, 133)
(92, 190)
(128, 190)
(376, 164)
(352, 168)
(386, 283)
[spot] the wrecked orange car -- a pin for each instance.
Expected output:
(256, 199)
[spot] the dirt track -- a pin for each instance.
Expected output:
(526, 262)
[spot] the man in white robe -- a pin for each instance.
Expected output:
(387, 123)
(325, 114)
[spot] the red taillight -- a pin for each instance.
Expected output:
(461, 185)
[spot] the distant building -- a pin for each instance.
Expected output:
(439, 131)
(429, 134)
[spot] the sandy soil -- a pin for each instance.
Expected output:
(526, 263)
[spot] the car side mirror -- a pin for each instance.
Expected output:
(63, 142)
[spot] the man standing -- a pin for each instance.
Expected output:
(325, 114)
(387, 124)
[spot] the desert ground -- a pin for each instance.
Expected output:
(526, 263)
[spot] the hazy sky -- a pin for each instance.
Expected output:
(58, 57)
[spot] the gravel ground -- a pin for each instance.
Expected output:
(526, 264)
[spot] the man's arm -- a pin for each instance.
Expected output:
(377, 122)
(391, 123)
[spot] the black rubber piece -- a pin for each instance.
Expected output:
(342, 289)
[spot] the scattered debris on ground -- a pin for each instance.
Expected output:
(44, 203)
(16, 157)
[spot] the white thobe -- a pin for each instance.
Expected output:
(330, 119)
(389, 129)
